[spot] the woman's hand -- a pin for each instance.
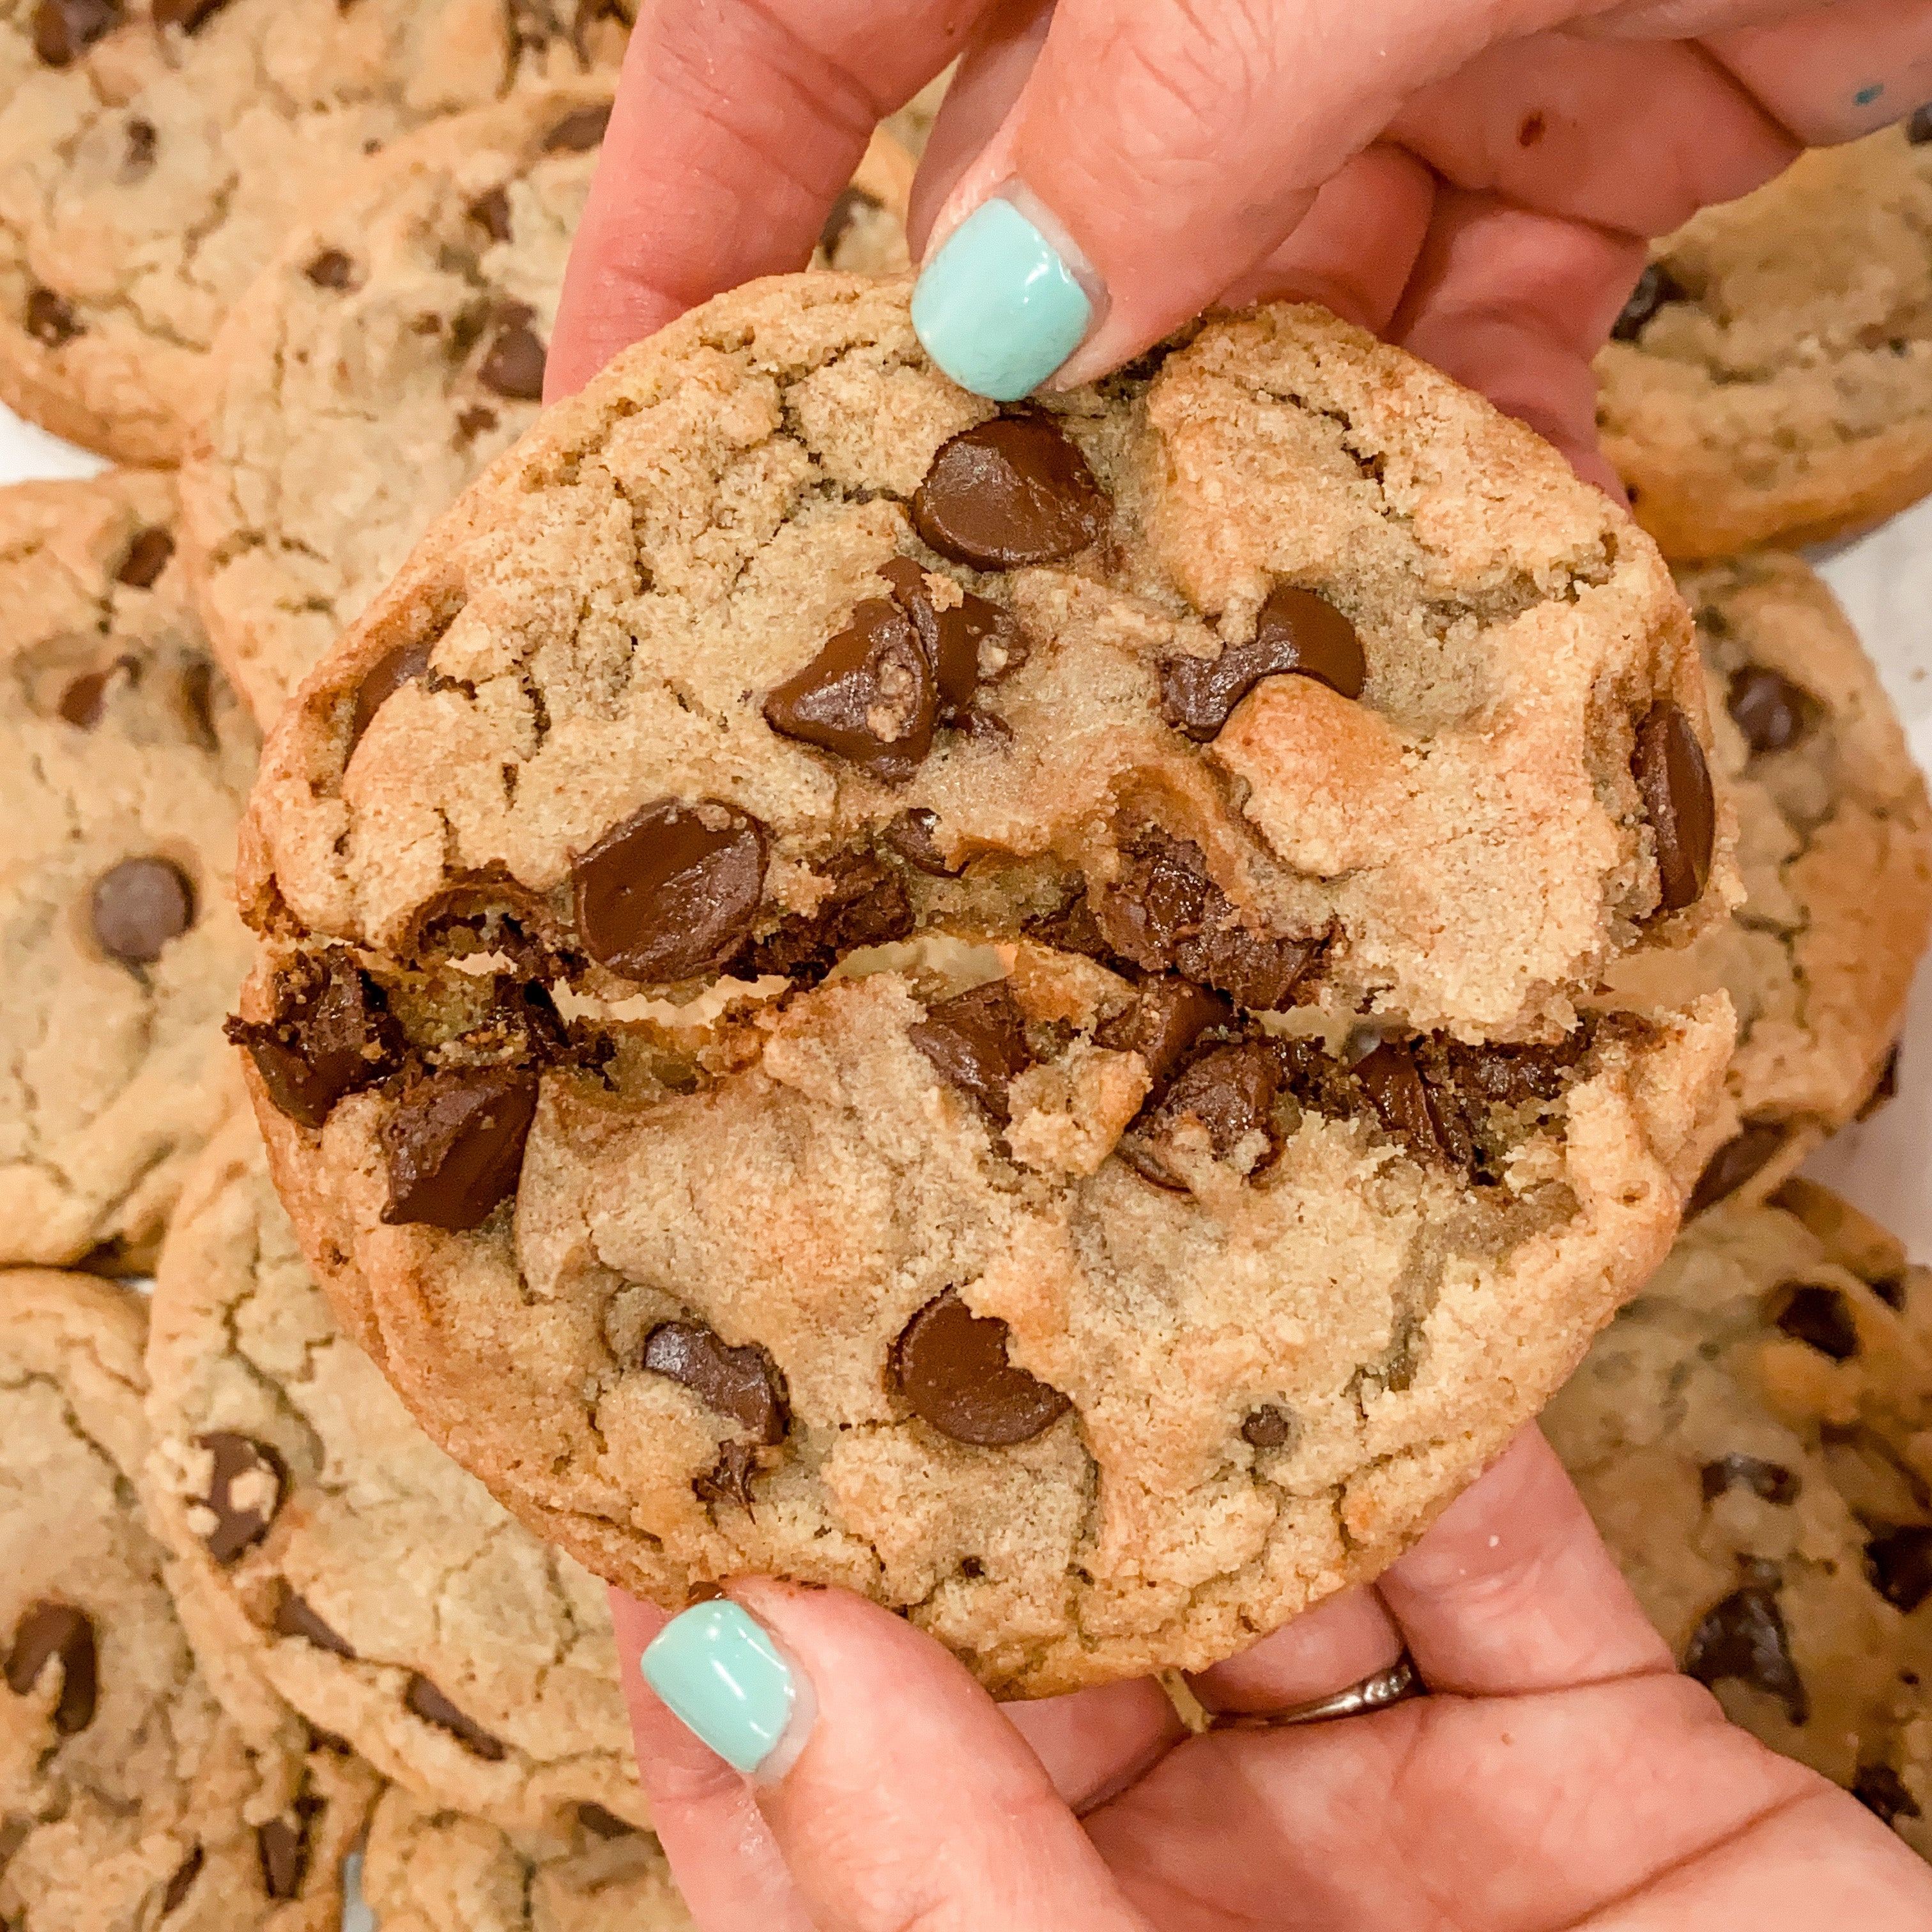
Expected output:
(1559, 1773)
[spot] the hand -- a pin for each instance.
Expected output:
(1559, 1773)
(1473, 178)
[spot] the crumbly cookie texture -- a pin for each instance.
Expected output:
(150, 164)
(1770, 381)
(395, 346)
(124, 760)
(429, 1871)
(131, 1797)
(1083, 1246)
(1754, 1435)
(375, 1585)
(1835, 846)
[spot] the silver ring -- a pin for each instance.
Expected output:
(1395, 1685)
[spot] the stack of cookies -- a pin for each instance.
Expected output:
(1064, 1016)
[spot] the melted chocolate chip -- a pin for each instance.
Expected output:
(951, 1367)
(743, 1384)
(331, 269)
(513, 367)
(331, 1035)
(1734, 1163)
(1882, 1791)
(454, 1145)
(491, 213)
(1675, 783)
(282, 1845)
(1900, 1562)
(147, 557)
(404, 664)
(967, 642)
(729, 1479)
(1013, 491)
(1394, 1086)
(1656, 288)
(138, 906)
(64, 30)
(910, 835)
(1230, 1091)
(1771, 1482)
(433, 1707)
(578, 132)
(294, 1618)
(51, 322)
(260, 1476)
(84, 702)
(671, 893)
(852, 203)
(1269, 1426)
(1885, 1088)
(866, 905)
(1822, 1317)
(869, 696)
(138, 157)
(186, 14)
(1169, 1015)
(182, 1882)
(50, 1631)
(1296, 632)
(1918, 129)
(977, 1041)
(602, 1824)
(471, 423)
(1773, 713)
(1744, 1637)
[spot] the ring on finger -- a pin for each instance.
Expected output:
(1395, 1685)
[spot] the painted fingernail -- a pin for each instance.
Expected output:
(999, 308)
(717, 1672)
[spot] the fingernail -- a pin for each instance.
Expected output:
(1000, 307)
(721, 1676)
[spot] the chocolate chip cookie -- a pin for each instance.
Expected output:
(1770, 379)
(124, 759)
(1835, 845)
(394, 346)
(1754, 1435)
(373, 1584)
(153, 155)
(426, 1870)
(1153, 1239)
(131, 1799)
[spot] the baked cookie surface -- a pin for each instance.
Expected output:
(131, 1797)
(374, 1584)
(1770, 381)
(1751, 1437)
(151, 159)
(124, 760)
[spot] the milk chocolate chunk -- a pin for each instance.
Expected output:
(671, 893)
(282, 1845)
(864, 905)
(64, 30)
(951, 1367)
(186, 14)
(1744, 1637)
(138, 906)
(1296, 632)
(1394, 1085)
(869, 697)
(51, 321)
(294, 1618)
(1882, 1791)
(1773, 713)
(729, 1479)
(1232, 1091)
(182, 1882)
(909, 834)
(966, 642)
(331, 1035)
(1675, 783)
(513, 366)
(1013, 491)
(453, 1144)
(84, 702)
(1269, 1426)
(1822, 1317)
(331, 269)
(578, 132)
(147, 557)
(245, 1488)
(1901, 1566)
(977, 1041)
(1168, 1015)
(1771, 1482)
(1656, 289)
(742, 1384)
(51, 1631)
(1734, 1163)
(403, 665)
(433, 1707)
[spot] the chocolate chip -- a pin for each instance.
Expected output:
(671, 893)
(472, 422)
(729, 1479)
(1744, 1637)
(433, 1707)
(137, 158)
(1773, 713)
(51, 321)
(403, 665)
(1168, 1015)
(1885, 1088)
(454, 1145)
(282, 1845)
(182, 1882)
(1296, 632)
(1394, 1085)
(294, 1618)
(147, 557)
(332, 1034)
(83, 702)
(241, 1520)
(513, 365)
(186, 14)
(966, 642)
(1166, 913)
(851, 203)
(1269, 1426)
(709, 1590)
(1656, 288)
(491, 212)
(1882, 1791)
(48, 1631)
(1772, 1482)
(1900, 1562)
(1822, 1317)
(1014, 490)
(951, 1367)
(578, 132)
(864, 905)
(1742, 1156)
(977, 1041)
(910, 835)
(743, 1384)
(138, 906)
(331, 269)
(869, 696)
(1074, 928)
(1230, 1091)
(64, 30)
(1918, 129)
(1675, 784)
(602, 1824)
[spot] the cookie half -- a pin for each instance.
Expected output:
(124, 759)
(151, 161)
(1751, 1436)
(131, 1797)
(1770, 381)
(374, 1584)
(1835, 845)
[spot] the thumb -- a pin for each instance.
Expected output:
(894, 1789)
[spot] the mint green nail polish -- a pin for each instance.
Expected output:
(996, 308)
(718, 1673)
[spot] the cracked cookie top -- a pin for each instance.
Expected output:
(153, 155)
(377, 1586)
(124, 759)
